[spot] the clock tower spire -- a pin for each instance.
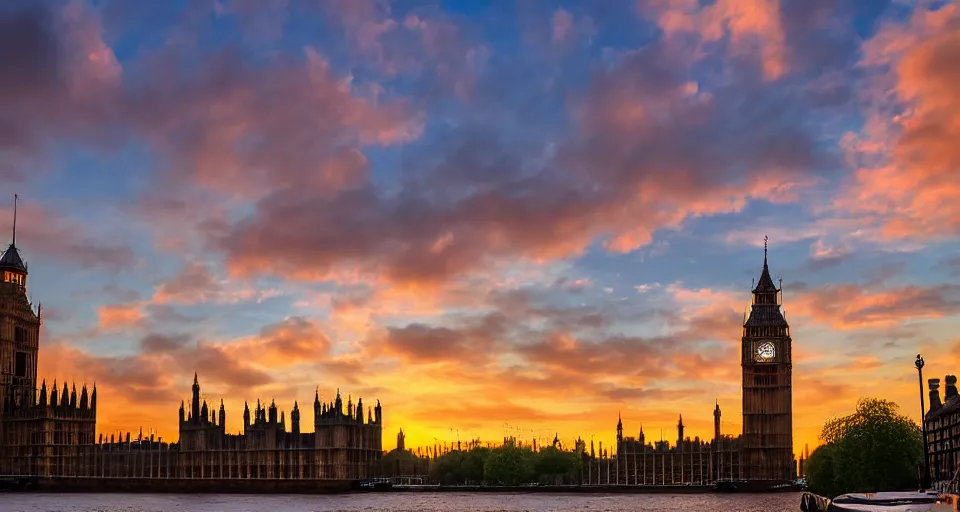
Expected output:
(767, 385)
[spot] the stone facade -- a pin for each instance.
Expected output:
(55, 435)
(942, 423)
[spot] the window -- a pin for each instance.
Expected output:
(13, 277)
(20, 334)
(21, 366)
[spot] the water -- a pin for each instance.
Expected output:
(406, 502)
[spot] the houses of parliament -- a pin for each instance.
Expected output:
(49, 430)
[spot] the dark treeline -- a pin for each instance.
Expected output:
(504, 465)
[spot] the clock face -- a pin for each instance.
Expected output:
(766, 351)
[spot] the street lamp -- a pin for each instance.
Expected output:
(925, 481)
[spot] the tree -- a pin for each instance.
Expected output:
(873, 449)
(509, 465)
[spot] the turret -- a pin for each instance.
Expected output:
(54, 397)
(295, 419)
(716, 422)
(935, 402)
(619, 429)
(317, 412)
(204, 414)
(349, 407)
(195, 404)
(370, 415)
(182, 412)
(680, 431)
(65, 397)
(642, 438)
(73, 397)
(43, 393)
(13, 270)
(360, 411)
(378, 414)
(338, 404)
(283, 421)
(273, 412)
(93, 397)
(223, 415)
(84, 398)
(246, 416)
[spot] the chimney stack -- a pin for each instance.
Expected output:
(935, 402)
(951, 392)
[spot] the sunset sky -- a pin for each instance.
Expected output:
(493, 217)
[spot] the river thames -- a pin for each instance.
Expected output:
(412, 502)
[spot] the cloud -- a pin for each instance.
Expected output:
(52, 236)
(562, 26)
(119, 316)
(650, 153)
(904, 157)
(58, 76)
(195, 283)
(750, 27)
(850, 306)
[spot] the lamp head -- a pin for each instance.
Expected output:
(919, 362)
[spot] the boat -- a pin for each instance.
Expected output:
(375, 484)
(917, 501)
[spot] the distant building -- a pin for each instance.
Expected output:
(52, 433)
(942, 422)
(40, 433)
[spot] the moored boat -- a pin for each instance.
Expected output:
(921, 501)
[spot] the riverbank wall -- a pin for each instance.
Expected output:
(180, 486)
(285, 486)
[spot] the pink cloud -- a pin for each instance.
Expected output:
(905, 157)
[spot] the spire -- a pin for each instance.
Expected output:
(765, 310)
(11, 257)
(765, 283)
(15, 199)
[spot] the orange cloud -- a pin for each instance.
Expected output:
(853, 306)
(754, 27)
(906, 154)
(119, 316)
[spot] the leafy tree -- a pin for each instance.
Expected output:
(448, 469)
(555, 466)
(873, 449)
(509, 465)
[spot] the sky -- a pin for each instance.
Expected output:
(521, 218)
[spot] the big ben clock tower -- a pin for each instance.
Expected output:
(767, 441)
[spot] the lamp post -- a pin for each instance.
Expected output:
(925, 481)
